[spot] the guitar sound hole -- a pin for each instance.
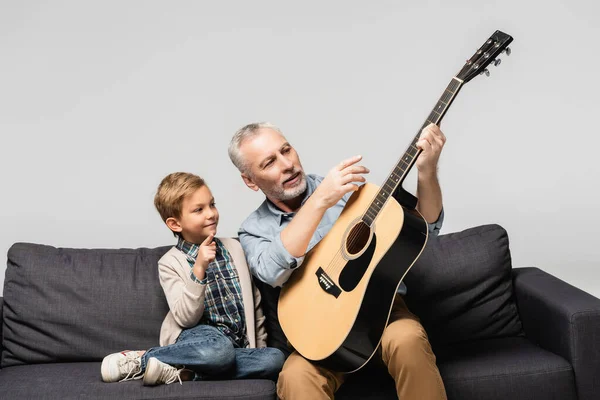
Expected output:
(358, 238)
(355, 269)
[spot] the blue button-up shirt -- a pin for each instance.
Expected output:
(260, 237)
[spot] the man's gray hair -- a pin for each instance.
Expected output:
(242, 134)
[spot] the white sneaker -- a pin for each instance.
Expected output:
(157, 373)
(123, 366)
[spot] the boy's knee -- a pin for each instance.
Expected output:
(273, 362)
(220, 353)
(277, 358)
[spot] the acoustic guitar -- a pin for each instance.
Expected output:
(336, 305)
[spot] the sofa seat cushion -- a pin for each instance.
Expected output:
(493, 369)
(506, 368)
(82, 381)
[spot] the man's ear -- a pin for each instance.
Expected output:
(173, 224)
(249, 182)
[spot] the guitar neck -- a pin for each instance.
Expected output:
(406, 162)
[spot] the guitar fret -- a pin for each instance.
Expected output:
(407, 160)
(371, 216)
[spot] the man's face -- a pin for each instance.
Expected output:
(273, 166)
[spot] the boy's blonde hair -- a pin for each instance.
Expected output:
(171, 192)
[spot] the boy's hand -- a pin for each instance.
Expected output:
(206, 254)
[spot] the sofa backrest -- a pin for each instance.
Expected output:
(461, 287)
(79, 305)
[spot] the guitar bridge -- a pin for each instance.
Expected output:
(327, 283)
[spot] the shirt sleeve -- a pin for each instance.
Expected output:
(267, 258)
(435, 227)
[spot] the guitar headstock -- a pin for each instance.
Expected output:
(486, 55)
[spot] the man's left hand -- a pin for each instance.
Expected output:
(431, 141)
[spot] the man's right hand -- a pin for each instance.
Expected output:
(206, 254)
(338, 182)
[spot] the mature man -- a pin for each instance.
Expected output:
(298, 211)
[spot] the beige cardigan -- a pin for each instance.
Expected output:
(186, 297)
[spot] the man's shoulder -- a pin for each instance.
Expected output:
(257, 216)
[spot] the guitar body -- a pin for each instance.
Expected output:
(336, 305)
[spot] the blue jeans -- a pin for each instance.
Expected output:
(211, 355)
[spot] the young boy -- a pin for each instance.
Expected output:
(215, 327)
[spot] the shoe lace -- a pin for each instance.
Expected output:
(171, 374)
(132, 366)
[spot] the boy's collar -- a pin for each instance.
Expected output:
(189, 247)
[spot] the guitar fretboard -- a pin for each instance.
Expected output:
(406, 162)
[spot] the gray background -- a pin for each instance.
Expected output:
(100, 100)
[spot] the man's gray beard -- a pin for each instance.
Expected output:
(281, 194)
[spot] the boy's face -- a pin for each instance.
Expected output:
(199, 216)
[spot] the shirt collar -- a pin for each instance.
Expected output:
(191, 249)
(311, 186)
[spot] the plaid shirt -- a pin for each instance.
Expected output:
(223, 306)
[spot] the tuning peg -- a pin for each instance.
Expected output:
(485, 71)
(496, 62)
(507, 51)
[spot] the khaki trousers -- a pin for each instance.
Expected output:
(404, 349)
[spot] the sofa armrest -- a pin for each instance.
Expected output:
(1, 326)
(564, 320)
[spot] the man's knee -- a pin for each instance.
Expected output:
(297, 370)
(300, 378)
(405, 340)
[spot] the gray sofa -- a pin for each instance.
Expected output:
(498, 332)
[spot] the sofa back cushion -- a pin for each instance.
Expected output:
(79, 305)
(461, 287)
